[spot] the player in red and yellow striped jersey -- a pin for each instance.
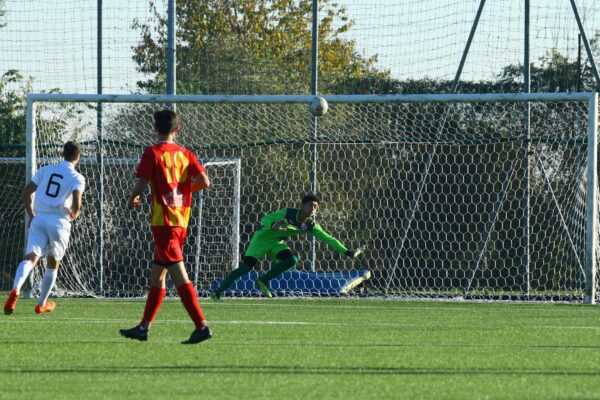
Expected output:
(173, 173)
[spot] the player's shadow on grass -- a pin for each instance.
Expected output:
(283, 370)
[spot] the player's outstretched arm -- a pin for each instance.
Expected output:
(329, 240)
(136, 191)
(335, 244)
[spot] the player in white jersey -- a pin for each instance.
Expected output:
(58, 193)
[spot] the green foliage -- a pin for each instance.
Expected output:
(13, 102)
(250, 46)
(13, 93)
(555, 73)
(2, 14)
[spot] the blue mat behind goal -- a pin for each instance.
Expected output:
(295, 281)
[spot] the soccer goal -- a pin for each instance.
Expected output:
(455, 196)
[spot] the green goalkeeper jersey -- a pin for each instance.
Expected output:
(295, 227)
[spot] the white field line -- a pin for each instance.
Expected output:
(401, 305)
(78, 321)
(514, 308)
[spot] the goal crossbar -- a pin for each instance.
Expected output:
(279, 99)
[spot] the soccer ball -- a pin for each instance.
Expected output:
(318, 106)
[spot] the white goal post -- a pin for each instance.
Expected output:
(476, 196)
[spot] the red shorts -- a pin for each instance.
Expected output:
(168, 244)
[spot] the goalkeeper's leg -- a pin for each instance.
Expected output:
(284, 261)
(245, 266)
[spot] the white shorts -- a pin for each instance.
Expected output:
(48, 234)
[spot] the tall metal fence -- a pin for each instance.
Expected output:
(283, 47)
(247, 47)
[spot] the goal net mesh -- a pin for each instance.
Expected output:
(450, 199)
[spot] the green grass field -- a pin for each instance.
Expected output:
(304, 349)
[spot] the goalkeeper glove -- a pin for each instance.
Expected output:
(354, 253)
(280, 226)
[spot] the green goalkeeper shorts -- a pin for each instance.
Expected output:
(259, 247)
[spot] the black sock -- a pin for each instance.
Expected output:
(232, 277)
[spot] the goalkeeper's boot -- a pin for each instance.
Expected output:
(11, 302)
(137, 333)
(49, 306)
(216, 296)
(199, 335)
(264, 288)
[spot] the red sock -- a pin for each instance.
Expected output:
(190, 302)
(155, 298)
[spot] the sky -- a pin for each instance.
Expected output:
(55, 42)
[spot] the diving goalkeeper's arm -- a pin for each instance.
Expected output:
(333, 243)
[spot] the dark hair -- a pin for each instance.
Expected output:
(310, 197)
(71, 150)
(165, 121)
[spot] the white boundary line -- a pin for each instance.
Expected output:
(110, 321)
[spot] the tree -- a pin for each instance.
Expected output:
(249, 47)
(555, 73)
(13, 92)
(2, 13)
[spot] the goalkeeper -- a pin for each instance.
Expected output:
(269, 240)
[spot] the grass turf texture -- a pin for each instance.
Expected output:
(304, 349)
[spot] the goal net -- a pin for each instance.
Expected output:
(454, 196)
(111, 245)
(126, 252)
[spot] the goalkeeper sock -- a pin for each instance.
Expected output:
(47, 284)
(279, 268)
(23, 271)
(232, 277)
(190, 302)
(153, 302)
